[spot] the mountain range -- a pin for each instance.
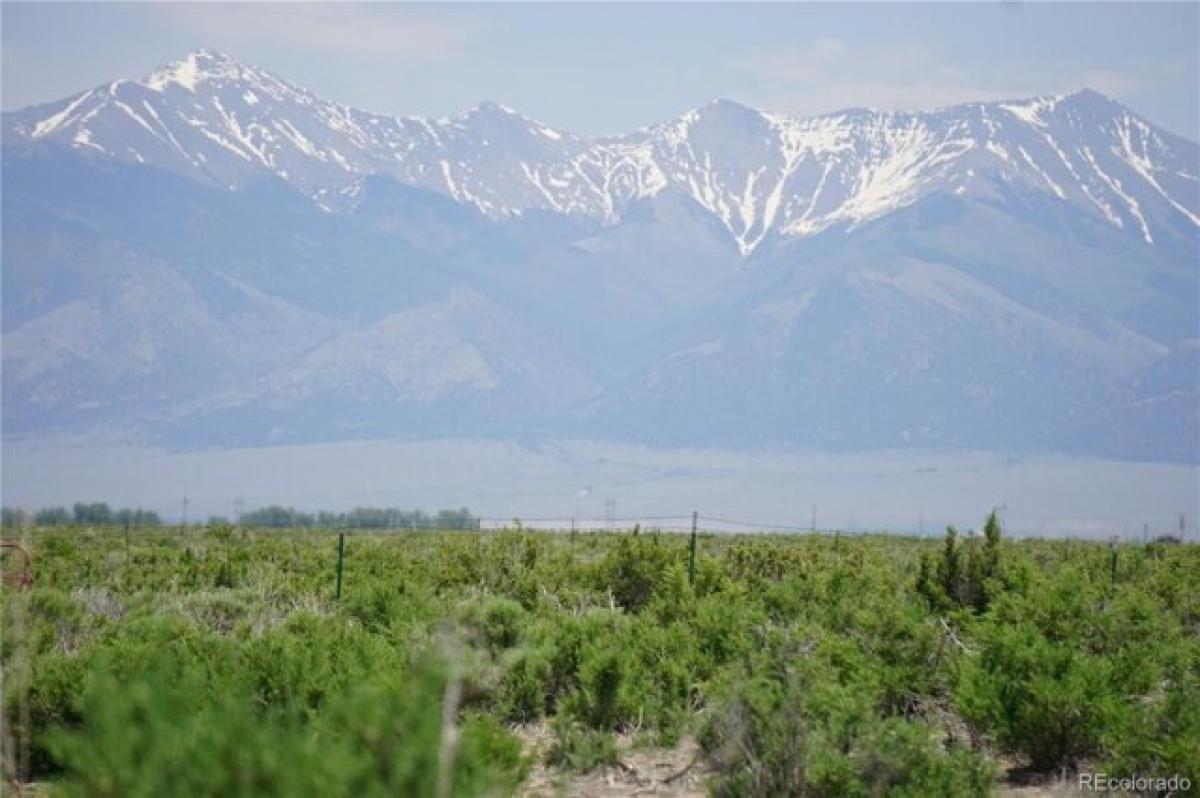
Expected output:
(211, 255)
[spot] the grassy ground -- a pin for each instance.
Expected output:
(219, 662)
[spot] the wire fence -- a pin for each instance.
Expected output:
(664, 523)
(682, 523)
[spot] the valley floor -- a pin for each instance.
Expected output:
(908, 491)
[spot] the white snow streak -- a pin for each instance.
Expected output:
(54, 122)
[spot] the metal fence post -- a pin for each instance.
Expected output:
(341, 559)
(692, 558)
(1112, 567)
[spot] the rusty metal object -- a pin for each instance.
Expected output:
(24, 577)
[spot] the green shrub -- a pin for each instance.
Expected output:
(527, 690)
(500, 621)
(968, 573)
(54, 703)
(1044, 699)
(814, 728)
(602, 697)
(1062, 670)
(634, 569)
(163, 734)
(579, 748)
(806, 665)
(168, 732)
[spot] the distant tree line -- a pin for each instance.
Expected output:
(80, 514)
(276, 516)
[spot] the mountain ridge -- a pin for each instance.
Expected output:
(762, 174)
(213, 255)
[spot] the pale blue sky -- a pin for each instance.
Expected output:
(600, 69)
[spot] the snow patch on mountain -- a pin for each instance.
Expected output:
(760, 174)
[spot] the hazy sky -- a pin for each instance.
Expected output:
(610, 68)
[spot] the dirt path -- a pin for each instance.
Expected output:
(678, 772)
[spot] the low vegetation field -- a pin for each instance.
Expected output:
(220, 662)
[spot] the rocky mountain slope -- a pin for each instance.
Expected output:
(212, 253)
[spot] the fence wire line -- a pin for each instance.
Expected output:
(757, 525)
(704, 523)
(683, 521)
(633, 519)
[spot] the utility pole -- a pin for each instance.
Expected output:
(582, 493)
(185, 505)
(812, 527)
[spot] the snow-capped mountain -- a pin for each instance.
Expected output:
(213, 254)
(212, 118)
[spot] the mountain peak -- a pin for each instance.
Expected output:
(207, 56)
(1086, 93)
(721, 112)
(1081, 99)
(1090, 98)
(194, 68)
(489, 107)
(723, 107)
(726, 104)
(494, 115)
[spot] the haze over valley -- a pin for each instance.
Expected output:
(212, 257)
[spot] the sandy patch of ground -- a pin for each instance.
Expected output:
(678, 772)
